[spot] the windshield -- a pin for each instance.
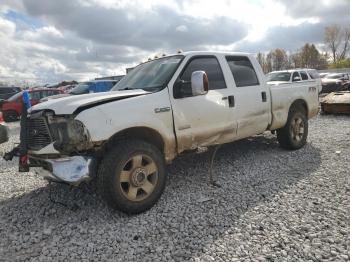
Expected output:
(15, 97)
(334, 76)
(150, 76)
(280, 76)
(82, 88)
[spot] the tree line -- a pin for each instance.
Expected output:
(334, 54)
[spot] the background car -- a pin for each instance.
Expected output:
(335, 82)
(7, 92)
(294, 76)
(12, 108)
(323, 75)
(95, 86)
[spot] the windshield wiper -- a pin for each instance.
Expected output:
(152, 88)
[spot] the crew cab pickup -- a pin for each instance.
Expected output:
(161, 109)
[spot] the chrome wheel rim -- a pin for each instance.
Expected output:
(297, 129)
(138, 178)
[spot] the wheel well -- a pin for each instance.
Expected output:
(143, 133)
(299, 103)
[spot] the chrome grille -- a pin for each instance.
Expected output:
(38, 134)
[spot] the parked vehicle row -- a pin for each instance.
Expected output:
(95, 86)
(335, 82)
(7, 92)
(12, 108)
(165, 107)
(296, 77)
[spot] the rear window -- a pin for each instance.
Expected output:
(242, 70)
(314, 74)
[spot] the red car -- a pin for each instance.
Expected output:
(12, 108)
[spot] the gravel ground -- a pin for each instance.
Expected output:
(274, 205)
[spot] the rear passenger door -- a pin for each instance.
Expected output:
(251, 95)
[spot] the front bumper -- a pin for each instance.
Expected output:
(71, 170)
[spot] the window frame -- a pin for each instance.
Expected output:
(256, 75)
(178, 78)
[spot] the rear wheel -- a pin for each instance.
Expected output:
(132, 176)
(294, 134)
(10, 116)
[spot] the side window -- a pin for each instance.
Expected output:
(296, 77)
(303, 75)
(242, 70)
(44, 93)
(34, 95)
(210, 65)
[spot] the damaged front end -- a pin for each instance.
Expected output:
(57, 146)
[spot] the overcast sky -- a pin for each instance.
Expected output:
(47, 41)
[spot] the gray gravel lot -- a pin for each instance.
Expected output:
(274, 205)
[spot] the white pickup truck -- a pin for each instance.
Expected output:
(161, 109)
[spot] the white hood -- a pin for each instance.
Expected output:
(67, 105)
(276, 83)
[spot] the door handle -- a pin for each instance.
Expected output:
(231, 101)
(263, 96)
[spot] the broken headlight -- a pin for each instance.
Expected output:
(69, 134)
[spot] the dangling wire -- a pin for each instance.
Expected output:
(211, 177)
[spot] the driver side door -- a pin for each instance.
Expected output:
(202, 120)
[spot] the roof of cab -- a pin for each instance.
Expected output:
(212, 53)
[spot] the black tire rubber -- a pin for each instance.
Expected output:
(284, 135)
(10, 116)
(111, 166)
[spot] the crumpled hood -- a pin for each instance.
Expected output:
(68, 105)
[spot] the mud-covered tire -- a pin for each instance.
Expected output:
(117, 162)
(294, 134)
(10, 116)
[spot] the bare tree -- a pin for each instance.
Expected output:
(337, 40)
(277, 59)
(261, 57)
(346, 39)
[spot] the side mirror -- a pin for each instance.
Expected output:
(199, 83)
(297, 78)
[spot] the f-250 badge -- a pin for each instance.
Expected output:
(162, 109)
(312, 89)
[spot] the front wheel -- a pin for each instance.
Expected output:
(132, 177)
(294, 134)
(10, 116)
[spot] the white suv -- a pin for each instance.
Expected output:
(294, 76)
